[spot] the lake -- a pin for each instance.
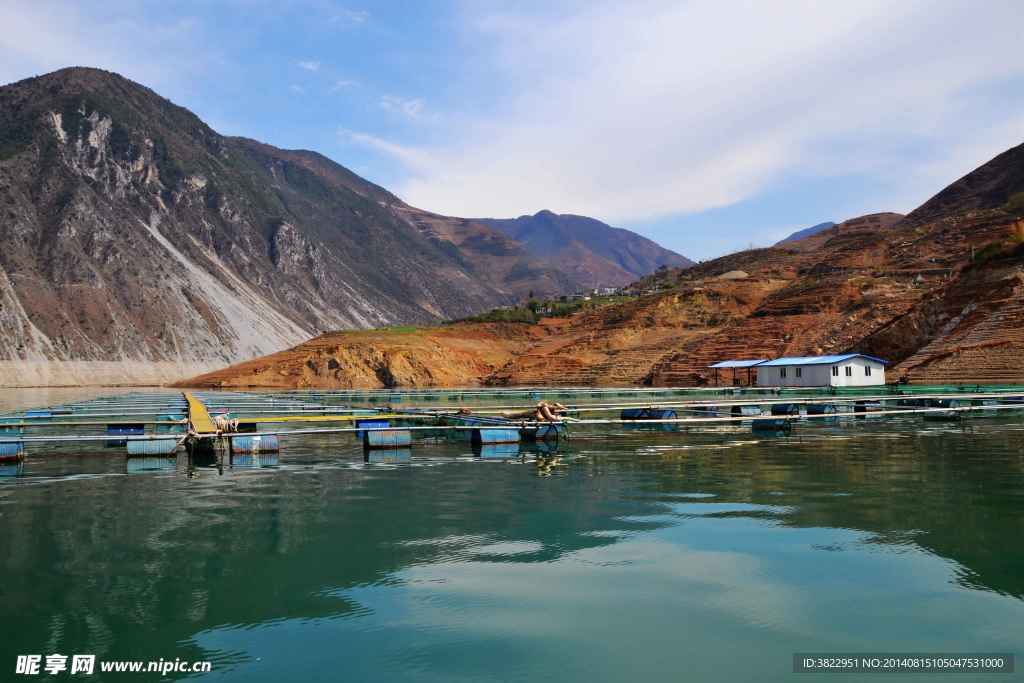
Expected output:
(712, 554)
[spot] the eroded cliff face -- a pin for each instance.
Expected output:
(455, 355)
(137, 245)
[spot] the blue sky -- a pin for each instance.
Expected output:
(707, 126)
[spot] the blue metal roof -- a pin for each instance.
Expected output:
(738, 363)
(820, 360)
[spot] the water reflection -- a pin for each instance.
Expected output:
(636, 555)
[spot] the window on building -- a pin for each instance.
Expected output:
(867, 370)
(782, 372)
(835, 370)
(799, 372)
(849, 371)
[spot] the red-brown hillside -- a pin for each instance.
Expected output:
(939, 292)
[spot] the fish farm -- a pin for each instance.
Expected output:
(238, 426)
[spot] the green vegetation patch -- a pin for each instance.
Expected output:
(1015, 204)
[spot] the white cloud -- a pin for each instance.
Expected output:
(297, 89)
(41, 37)
(410, 108)
(411, 157)
(343, 84)
(350, 16)
(632, 112)
(310, 65)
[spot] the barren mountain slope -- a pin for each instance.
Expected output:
(138, 245)
(939, 292)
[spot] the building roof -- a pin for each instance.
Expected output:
(820, 360)
(738, 363)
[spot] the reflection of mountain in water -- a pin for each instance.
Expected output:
(125, 566)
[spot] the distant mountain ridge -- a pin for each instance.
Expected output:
(807, 232)
(138, 245)
(594, 253)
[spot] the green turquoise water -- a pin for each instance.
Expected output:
(704, 555)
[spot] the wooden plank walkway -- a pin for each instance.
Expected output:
(199, 416)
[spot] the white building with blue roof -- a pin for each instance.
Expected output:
(844, 370)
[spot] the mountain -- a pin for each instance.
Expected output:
(591, 252)
(139, 245)
(806, 232)
(939, 292)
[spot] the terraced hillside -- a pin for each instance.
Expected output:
(938, 292)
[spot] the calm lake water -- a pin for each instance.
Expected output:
(708, 555)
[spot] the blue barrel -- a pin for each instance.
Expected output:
(373, 424)
(38, 413)
(12, 451)
(395, 438)
(495, 435)
(257, 443)
(821, 409)
(785, 409)
(745, 411)
(498, 451)
(391, 456)
(152, 447)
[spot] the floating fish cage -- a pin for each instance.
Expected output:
(152, 425)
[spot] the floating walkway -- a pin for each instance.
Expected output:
(246, 424)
